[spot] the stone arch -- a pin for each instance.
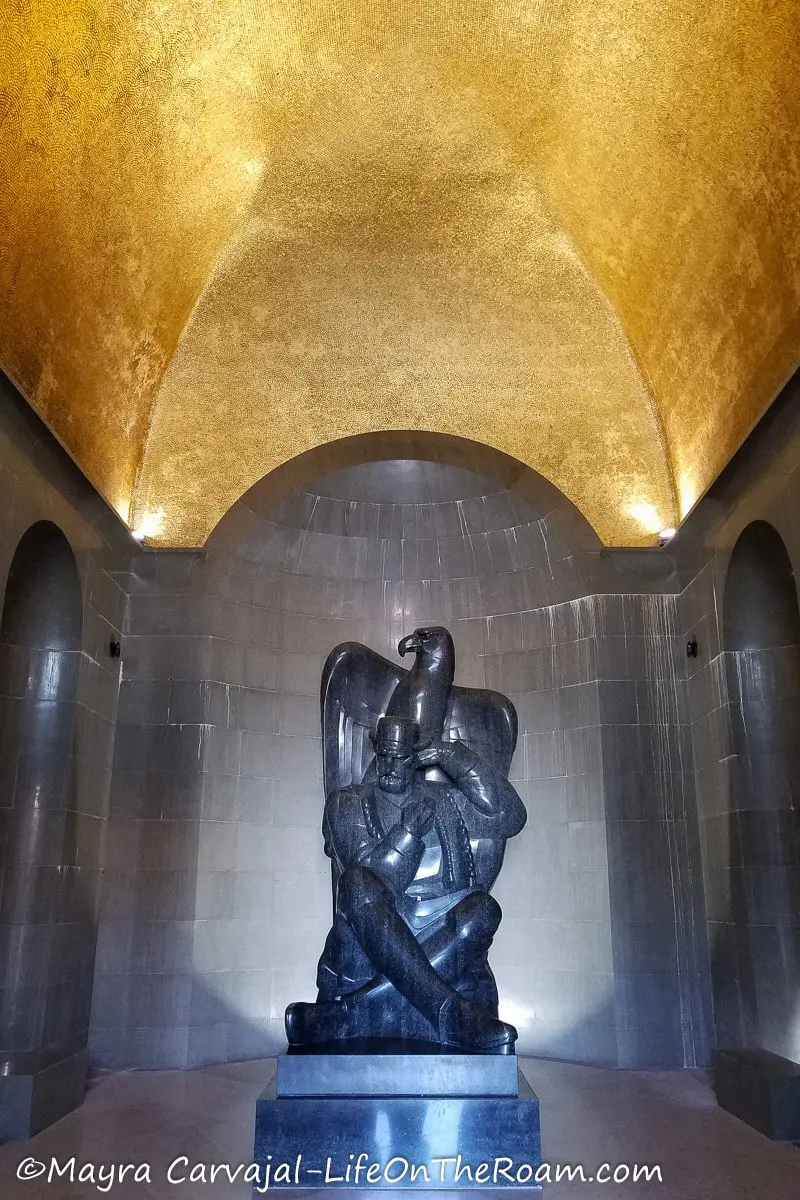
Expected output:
(756, 962)
(536, 493)
(46, 984)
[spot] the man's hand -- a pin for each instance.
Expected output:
(454, 758)
(418, 817)
(436, 754)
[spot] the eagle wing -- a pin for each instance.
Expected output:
(357, 685)
(486, 721)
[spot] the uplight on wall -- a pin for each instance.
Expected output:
(149, 526)
(647, 516)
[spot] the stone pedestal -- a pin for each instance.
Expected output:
(384, 1114)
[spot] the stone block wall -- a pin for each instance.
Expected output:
(217, 894)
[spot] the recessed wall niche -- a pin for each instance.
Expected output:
(47, 925)
(756, 942)
(216, 897)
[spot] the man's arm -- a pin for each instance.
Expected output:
(484, 787)
(394, 858)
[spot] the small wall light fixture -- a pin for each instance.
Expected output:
(666, 535)
(115, 649)
(691, 648)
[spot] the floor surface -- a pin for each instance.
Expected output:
(589, 1116)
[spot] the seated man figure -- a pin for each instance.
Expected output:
(413, 922)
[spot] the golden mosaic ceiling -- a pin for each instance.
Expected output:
(232, 230)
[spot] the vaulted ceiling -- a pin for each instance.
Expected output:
(232, 230)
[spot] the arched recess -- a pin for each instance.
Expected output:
(364, 539)
(45, 997)
(393, 448)
(756, 969)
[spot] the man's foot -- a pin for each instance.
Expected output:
(464, 1024)
(322, 1022)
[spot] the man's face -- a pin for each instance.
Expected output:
(395, 766)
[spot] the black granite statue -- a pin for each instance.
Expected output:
(418, 809)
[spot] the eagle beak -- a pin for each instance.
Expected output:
(412, 642)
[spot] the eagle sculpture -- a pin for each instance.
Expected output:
(423, 692)
(359, 686)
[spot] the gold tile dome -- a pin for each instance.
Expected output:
(233, 231)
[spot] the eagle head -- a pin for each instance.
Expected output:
(423, 692)
(433, 646)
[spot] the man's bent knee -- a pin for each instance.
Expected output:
(477, 916)
(358, 886)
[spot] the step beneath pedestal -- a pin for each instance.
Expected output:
(384, 1068)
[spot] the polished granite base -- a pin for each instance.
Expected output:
(398, 1115)
(30, 1101)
